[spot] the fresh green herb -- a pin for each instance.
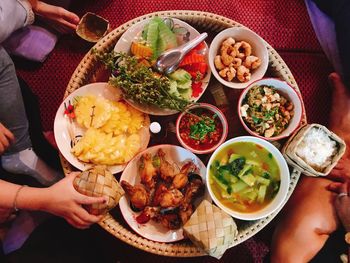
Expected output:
(256, 120)
(199, 130)
(270, 155)
(266, 175)
(237, 165)
(139, 83)
(269, 114)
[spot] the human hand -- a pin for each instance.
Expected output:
(63, 200)
(6, 138)
(341, 171)
(342, 201)
(61, 19)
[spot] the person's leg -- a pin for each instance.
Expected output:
(19, 158)
(40, 145)
(12, 112)
(306, 222)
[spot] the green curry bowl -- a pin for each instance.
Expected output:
(248, 178)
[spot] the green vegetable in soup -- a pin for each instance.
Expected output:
(244, 177)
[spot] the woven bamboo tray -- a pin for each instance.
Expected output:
(84, 74)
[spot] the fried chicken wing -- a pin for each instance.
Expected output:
(171, 221)
(139, 196)
(167, 170)
(171, 198)
(160, 189)
(194, 189)
(185, 212)
(180, 180)
(188, 168)
(147, 171)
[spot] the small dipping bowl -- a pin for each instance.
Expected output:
(92, 27)
(258, 49)
(182, 134)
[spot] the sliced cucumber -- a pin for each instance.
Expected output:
(184, 85)
(248, 178)
(167, 35)
(152, 36)
(180, 75)
(262, 193)
(239, 186)
(186, 94)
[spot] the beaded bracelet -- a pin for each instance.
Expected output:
(15, 199)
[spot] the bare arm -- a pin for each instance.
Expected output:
(61, 19)
(60, 199)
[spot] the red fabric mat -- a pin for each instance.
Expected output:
(283, 24)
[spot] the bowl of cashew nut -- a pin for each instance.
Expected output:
(238, 57)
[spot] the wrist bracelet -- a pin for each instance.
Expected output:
(15, 199)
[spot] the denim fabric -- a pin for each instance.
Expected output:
(12, 112)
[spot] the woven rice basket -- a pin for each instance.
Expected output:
(84, 74)
(289, 151)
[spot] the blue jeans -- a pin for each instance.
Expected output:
(12, 111)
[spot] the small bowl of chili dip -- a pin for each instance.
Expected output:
(201, 128)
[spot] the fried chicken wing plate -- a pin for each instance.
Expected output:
(147, 170)
(167, 170)
(139, 196)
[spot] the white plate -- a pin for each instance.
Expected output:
(132, 34)
(62, 137)
(152, 230)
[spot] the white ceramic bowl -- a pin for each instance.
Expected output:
(278, 200)
(258, 49)
(286, 90)
(220, 115)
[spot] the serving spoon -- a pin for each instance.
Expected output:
(169, 61)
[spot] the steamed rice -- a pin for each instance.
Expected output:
(317, 149)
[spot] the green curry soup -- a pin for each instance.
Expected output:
(244, 177)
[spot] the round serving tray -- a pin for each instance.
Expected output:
(89, 67)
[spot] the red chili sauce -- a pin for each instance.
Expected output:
(201, 129)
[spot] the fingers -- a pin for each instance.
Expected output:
(88, 218)
(338, 175)
(82, 219)
(335, 187)
(71, 176)
(88, 200)
(337, 83)
(6, 137)
(69, 17)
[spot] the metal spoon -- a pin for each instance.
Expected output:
(169, 61)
